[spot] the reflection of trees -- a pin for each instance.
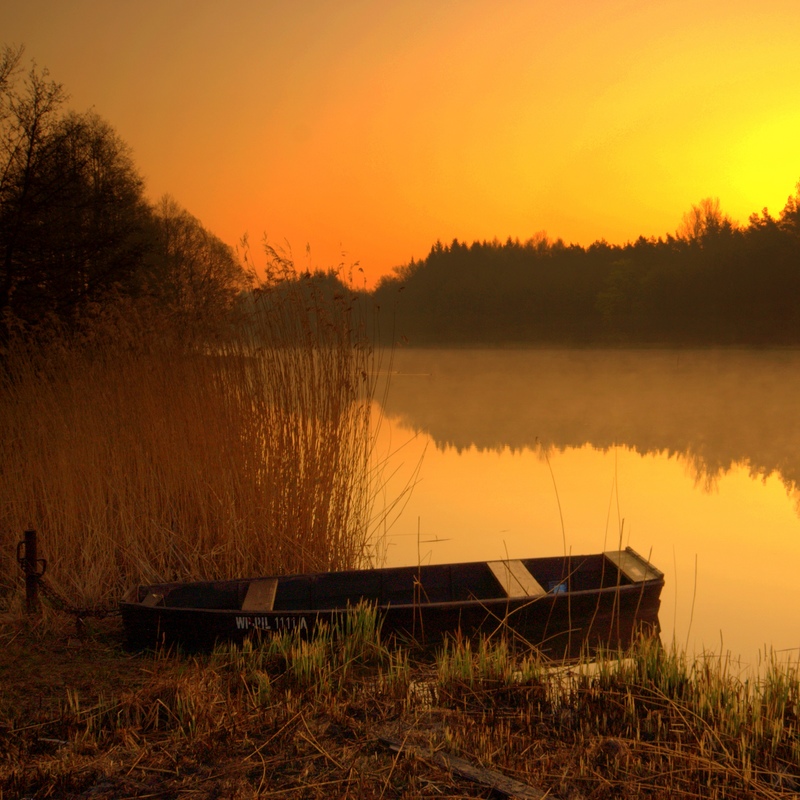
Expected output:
(713, 409)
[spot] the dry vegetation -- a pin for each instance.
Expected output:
(347, 716)
(141, 456)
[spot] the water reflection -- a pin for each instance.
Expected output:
(689, 455)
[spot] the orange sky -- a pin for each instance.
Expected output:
(371, 129)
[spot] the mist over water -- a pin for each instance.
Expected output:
(690, 456)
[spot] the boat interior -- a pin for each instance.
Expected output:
(445, 583)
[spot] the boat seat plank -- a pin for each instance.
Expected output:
(515, 579)
(633, 566)
(260, 595)
(153, 599)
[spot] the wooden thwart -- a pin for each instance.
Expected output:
(260, 595)
(515, 579)
(153, 599)
(633, 566)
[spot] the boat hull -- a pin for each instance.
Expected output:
(422, 605)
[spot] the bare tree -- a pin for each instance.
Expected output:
(705, 218)
(27, 116)
(73, 219)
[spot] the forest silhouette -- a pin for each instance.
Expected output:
(77, 232)
(711, 283)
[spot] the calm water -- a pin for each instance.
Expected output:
(690, 457)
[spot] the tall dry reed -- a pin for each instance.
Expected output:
(140, 456)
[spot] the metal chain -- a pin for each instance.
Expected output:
(60, 604)
(34, 569)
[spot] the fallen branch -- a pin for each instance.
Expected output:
(487, 777)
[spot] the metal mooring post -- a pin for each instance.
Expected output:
(28, 558)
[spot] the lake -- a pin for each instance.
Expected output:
(691, 457)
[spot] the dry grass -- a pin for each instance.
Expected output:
(139, 456)
(293, 718)
(652, 724)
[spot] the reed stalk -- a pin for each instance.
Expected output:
(139, 456)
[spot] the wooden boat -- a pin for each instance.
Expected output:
(562, 605)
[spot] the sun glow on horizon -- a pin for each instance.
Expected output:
(759, 161)
(371, 132)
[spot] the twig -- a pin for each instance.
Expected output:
(394, 762)
(274, 735)
(496, 781)
(313, 741)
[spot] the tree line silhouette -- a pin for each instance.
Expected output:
(76, 231)
(713, 282)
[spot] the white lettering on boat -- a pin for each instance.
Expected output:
(271, 623)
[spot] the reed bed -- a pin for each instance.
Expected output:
(141, 456)
(346, 714)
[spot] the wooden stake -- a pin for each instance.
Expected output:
(28, 557)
